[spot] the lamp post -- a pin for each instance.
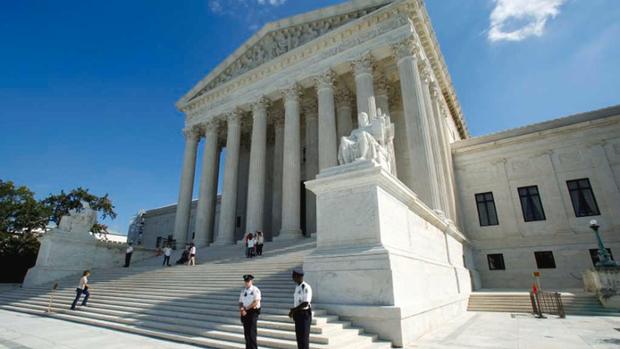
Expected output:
(604, 260)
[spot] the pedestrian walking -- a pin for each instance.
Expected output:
(249, 309)
(302, 310)
(260, 240)
(192, 254)
(167, 254)
(128, 254)
(82, 289)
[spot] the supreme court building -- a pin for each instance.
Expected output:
(281, 102)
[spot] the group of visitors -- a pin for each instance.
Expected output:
(254, 244)
(188, 257)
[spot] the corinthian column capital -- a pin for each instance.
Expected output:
(234, 117)
(343, 96)
(325, 80)
(435, 90)
(406, 48)
(260, 105)
(310, 108)
(292, 93)
(211, 125)
(192, 133)
(364, 64)
(425, 71)
(381, 85)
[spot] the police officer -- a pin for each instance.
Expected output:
(301, 311)
(249, 309)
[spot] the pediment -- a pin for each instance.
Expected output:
(280, 37)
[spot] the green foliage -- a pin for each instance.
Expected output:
(62, 203)
(20, 211)
(23, 219)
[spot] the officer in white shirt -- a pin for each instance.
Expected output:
(167, 254)
(249, 309)
(128, 254)
(302, 311)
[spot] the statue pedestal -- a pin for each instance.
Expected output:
(605, 282)
(384, 260)
(64, 254)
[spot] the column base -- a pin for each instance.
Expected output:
(222, 243)
(290, 234)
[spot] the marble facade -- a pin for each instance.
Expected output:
(290, 92)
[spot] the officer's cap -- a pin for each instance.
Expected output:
(248, 277)
(298, 272)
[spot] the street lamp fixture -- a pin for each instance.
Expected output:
(604, 259)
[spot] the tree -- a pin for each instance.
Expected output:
(60, 205)
(20, 212)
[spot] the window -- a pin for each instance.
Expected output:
(486, 209)
(544, 260)
(496, 261)
(530, 204)
(594, 255)
(582, 198)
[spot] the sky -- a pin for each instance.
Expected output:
(88, 89)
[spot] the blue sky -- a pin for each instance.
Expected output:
(87, 89)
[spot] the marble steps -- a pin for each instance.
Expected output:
(180, 302)
(319, 323)
(520, 302)
(226, 337)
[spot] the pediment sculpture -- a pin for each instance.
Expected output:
(372, 140)
(79, 220)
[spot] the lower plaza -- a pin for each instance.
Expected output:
(340, 137)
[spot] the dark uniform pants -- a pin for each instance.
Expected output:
(303, 319)
(127, 259)
(249, 322)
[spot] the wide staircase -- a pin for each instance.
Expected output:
(195, 305)
(575, 303)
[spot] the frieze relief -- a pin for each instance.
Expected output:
(363, 37)
(279, 42)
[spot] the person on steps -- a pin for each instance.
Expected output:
(260, 240)
(82, 289)
(192, 255)
(251, 246)
(301, 311)
(167, 254)
(249, 309)
(184, 256)
(128, 254)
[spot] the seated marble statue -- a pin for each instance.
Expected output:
(372, 140)
(79, 220)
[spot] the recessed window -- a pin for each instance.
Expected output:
(496, 261)
(544, 260)
(582, 197)
(238, 222)
(530, 204)
(594, 255)
(487, 215)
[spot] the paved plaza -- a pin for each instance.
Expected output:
(523, 331)
(473, 330)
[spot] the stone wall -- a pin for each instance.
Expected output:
(546, 155)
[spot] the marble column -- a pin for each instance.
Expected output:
(258, 157)
(291, 169)
(344, 110)
(328, 143)
(436, 146)
(383, 103)
(278, 149)
(446, 153)
(311, 160)
(362, 70)
(184, 206)
(381, 92)
(423, 173)
(205, 212)
(226, 231)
